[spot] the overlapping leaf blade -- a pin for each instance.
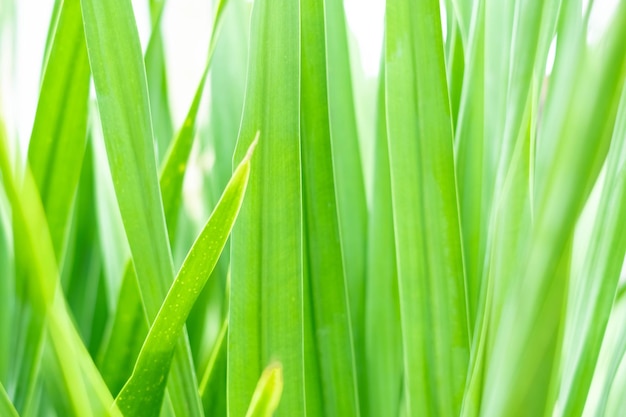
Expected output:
(119, 77)
(59, 135)
(6, 408)
(532, 312)
(594, 286)
(143, 392)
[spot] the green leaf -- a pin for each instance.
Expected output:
(119, 77)
(567, 165)
(177, 157)
(605, 393)
(426, 221)
(266, 299)
(346, 165)
(126, 336)
(325, 282)
(383, 341)
(213, 385)
(143, 392)
(594, 286)
(8, 310)
(156, 77)
(6, 408)
(268, 392)
(56, 150)
(88, 393)
(57, 143)
(129, 326)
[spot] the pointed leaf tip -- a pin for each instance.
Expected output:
(268, 391)
(252, 147)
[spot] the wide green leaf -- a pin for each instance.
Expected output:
(266, 298)
(426, 221)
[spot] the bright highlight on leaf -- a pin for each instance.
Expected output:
(267, 393)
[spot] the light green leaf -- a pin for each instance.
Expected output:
(605, 391)
(383, 341)
(268, 392)
(143, 392)
(348, 173)
(88, 393)
(156, 77)
(325, 282)
(212, 387)
(266, 298)
(129, 326)
(594, 286)
(177, 157)
(119, 77)
(567, 165)
(59, 134)
(6, 408)
(8, 310)
(426, 221)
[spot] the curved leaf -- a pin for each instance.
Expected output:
(143, 392)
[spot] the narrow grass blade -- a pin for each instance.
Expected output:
(595, 285)
(228, 84)
(127, 333)
(267, 393)
(119, 77)
(266, 299)
(156, 77)
(347, 168)
(129, 327)
(88, 393)
(143, 392)
(325, 281)
(8, 313)
(82, 273)
(59, 134)
(57, 145)
(383, 341)
(177, 157)
(426, 220)
(212, 387)
(473, 177)
(604, 392)
(567, 165)
(6, 407)
(117, 66)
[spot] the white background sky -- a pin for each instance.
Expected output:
(186, 26)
